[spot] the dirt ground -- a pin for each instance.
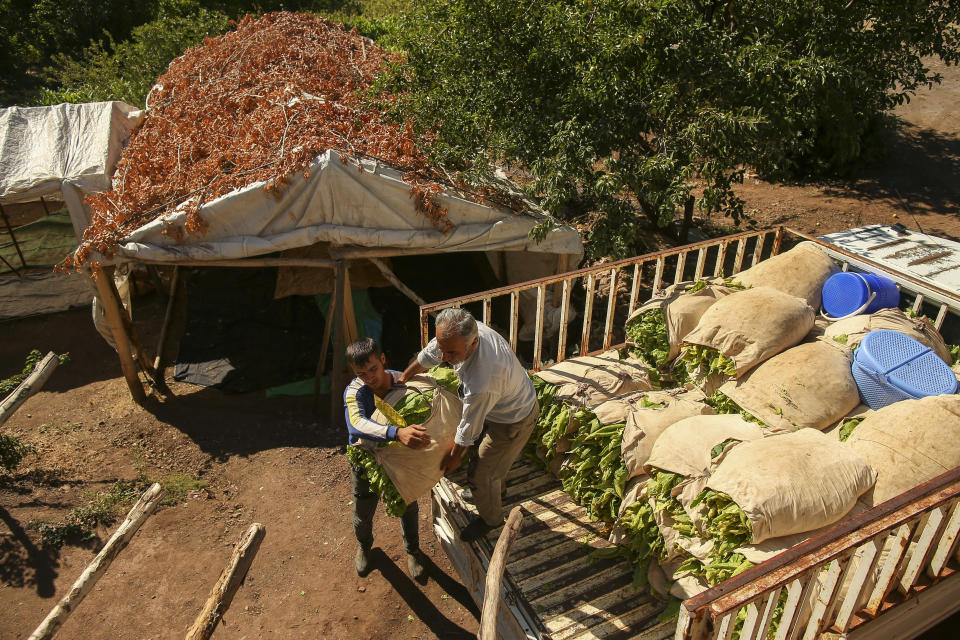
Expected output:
(273, 461)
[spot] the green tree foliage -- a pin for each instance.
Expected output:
(126, 70)
(117, 48)
(625, 108)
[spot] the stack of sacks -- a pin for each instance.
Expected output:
(807, 386)
(740, 331)
(656, 329)
(908, 443)
(653, 523)
(725, 493)
(567, 391)
(401, 475)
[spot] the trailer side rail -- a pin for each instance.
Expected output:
(624, 280)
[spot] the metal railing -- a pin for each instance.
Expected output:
(646, 274)
(843, 578)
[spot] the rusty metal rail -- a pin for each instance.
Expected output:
(843, 578)
(646, 274)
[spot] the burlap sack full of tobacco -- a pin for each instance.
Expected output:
(800, 272)
(589, 380)
(850, 331)
(809, 385)
(743, 329)
(415, 471)
(656, 329)
(649, 417)
(908, 443)
(784, 484)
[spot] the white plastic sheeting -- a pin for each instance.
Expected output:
(344, 205)
(65, 148)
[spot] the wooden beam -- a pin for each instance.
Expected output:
(395, 281)
(16, 244)
(494, 580)
(230, 579)
(247, 262)
(40, 374)
(103, 279)
(95, 570)
(336, 371)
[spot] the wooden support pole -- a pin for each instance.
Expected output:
(494, 580)
(230, 579)
(174, 302)
(336, 372)
(103, 279)
(563, 264)
(37, 378)
(324, 350)
(16, 244)
(95, 570)
(395, 281)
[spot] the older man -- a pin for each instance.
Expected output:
(499, 407)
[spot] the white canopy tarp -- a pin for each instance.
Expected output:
(66, 148)
(341, 204)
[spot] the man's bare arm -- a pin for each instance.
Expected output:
(414, 369)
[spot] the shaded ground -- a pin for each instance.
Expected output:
(273, 461)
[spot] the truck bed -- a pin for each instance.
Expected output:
(552, 588)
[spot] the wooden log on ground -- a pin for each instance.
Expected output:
(95, 570)
(37, 378)
(103, 279)
(498, 563)
(230, 579)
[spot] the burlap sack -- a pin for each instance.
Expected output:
(615, 410)
(684, 447)
(753, 325)
(800, 272)
(859, 411)
(682, 309)
(850, 331)
(589, 380)
(809, 385)
(645, 424)
(908, 443)
(792, 483)
(415, 471)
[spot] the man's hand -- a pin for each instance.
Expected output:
(415, 368)
(452, 459)
(415, 436)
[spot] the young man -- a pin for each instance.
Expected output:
(360, 400)
(499, 407)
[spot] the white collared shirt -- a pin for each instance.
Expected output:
(494, 385)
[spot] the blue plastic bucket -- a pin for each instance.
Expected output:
(890, 366)
(848, 293)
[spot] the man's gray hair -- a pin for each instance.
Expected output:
(457, 321)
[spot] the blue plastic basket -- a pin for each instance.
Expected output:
(890, 366)
(848, 293)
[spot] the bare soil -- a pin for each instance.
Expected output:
(275, 462)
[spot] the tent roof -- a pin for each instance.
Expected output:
(43, 147)
(344, 202)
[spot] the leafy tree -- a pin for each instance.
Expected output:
(126, 70)
(648, 106)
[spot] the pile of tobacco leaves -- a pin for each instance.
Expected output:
(258, 104)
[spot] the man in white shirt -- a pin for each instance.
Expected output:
(499, 407)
